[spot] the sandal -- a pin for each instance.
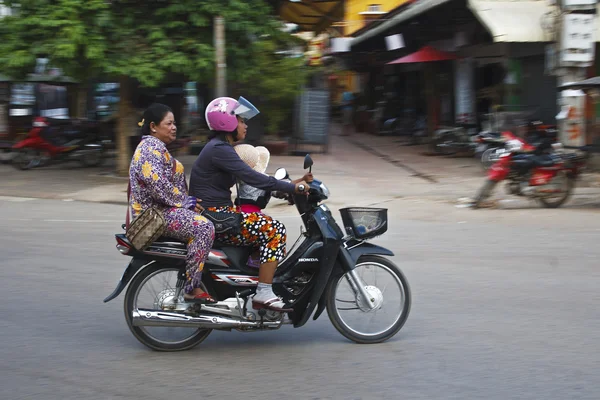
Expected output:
(202, 298)
(273, 304)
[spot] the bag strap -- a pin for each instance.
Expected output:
(237, 188)
(128, 213)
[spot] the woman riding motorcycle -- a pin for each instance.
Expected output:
(214, 173)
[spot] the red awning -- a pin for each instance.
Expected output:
(426, 54)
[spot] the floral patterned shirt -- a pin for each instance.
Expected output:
(152, 180)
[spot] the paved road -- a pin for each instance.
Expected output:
(505, 307)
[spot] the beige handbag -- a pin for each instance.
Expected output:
(146, 227)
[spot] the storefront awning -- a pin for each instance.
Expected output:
(591, 83)
(513, 21)
(312, 15)
(507, 21)
(425, 54)
(415, 9)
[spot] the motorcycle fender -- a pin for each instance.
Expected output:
(134, 266)
(499, 171)
(330, 252)
(367, 248)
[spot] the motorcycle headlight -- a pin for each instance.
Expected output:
(324, 189)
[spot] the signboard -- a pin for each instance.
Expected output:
(577, 42)
(464, 91)
(52, 101)
(571, 118)
(312, 117)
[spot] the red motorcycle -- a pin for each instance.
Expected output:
(58, 140)
(541, 172)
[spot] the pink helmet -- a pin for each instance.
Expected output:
(221, 113)
(220, 116)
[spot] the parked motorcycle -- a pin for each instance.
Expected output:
(58, 140)
(533, 172)
(491, 144)
(452, 140)
(325, 269)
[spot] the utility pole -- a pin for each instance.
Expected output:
(221, 65)
(575, 51)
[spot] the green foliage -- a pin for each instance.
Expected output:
(72, 33)
(153, 41)
(276, 79)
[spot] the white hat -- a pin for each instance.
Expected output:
(263, 159)
(248, 154)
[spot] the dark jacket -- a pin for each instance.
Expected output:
(215, 170)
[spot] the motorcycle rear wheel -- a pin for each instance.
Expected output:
(569, 186)
(143, 334)
(93, 159)
(351, 330)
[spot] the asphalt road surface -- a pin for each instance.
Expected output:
(505, 306)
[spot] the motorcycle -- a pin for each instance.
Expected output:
(491, 144)
(532, 171)
(452, 140)
(57, 140)
(325, 269)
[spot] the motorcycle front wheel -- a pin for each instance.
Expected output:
(155, 287)
(388, 290)
(26, 159)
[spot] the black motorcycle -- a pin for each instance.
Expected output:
(366, 295)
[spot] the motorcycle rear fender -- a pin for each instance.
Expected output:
(134, 266)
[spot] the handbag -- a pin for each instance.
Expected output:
(146, 227)
(225, 221)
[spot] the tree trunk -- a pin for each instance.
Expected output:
(82, 92)
(123, 127)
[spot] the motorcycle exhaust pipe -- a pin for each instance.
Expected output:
(143, 317)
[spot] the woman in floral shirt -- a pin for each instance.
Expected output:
(157, 179)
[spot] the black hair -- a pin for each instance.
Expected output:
(155, 113)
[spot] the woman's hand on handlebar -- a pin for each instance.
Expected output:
(301, 188)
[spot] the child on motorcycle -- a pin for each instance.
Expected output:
(251, 199)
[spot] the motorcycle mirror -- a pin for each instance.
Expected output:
(308, 162)
(280, 174)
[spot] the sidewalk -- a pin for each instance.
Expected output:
(361, 169)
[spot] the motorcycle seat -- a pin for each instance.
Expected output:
(238, 255)
(543, 161)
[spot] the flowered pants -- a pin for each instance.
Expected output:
(198, 233)
(258, 230)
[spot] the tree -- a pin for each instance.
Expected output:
(279, 90)
(143, 40)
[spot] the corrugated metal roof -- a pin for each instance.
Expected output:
(513, 21)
